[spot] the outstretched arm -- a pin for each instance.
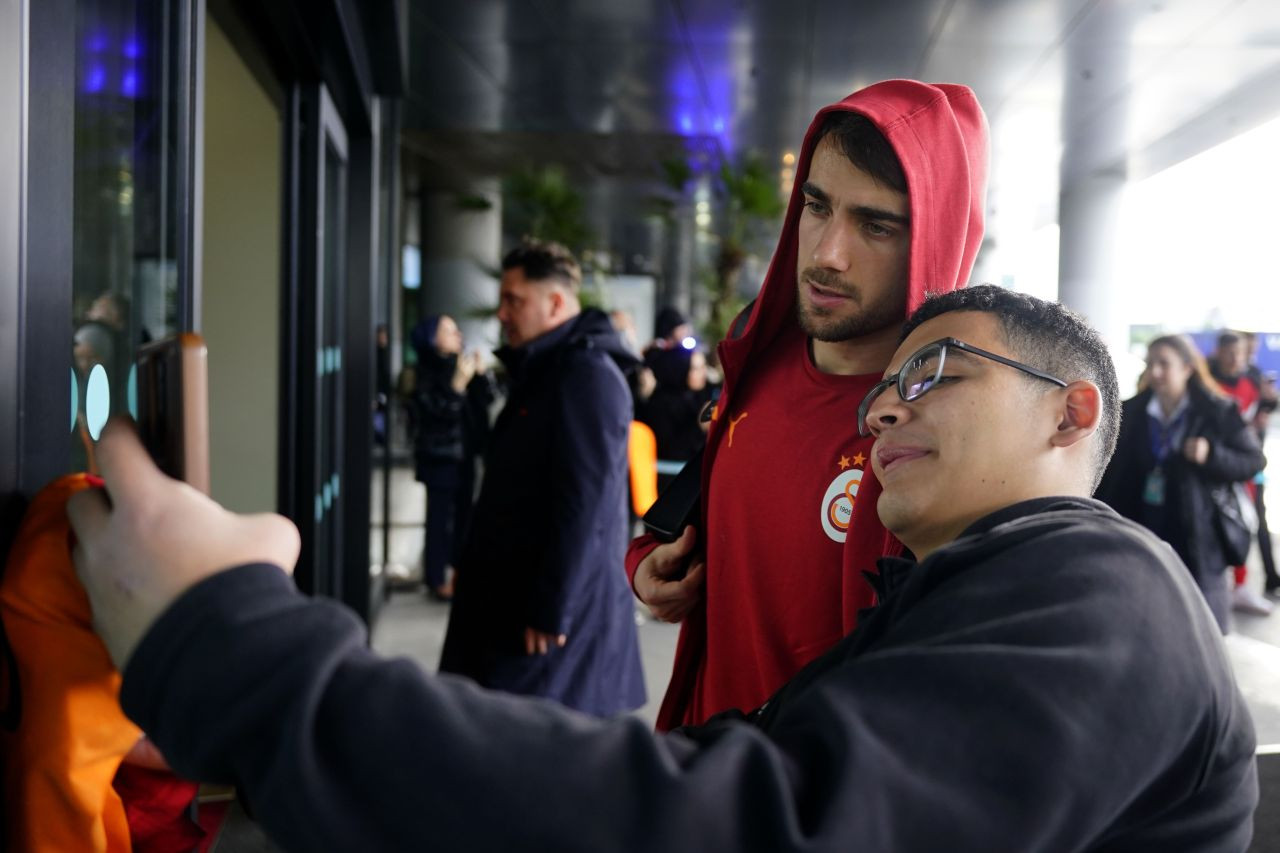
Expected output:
(985, 732)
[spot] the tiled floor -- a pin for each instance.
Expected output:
(411, 625)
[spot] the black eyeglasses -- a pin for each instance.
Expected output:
(923, 370)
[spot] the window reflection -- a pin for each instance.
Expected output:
(129, 80)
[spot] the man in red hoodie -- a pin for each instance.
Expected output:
(888, 209)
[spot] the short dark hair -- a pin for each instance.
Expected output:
(866, 147)
(543, 261)
(1046, 335)
(1227, 339)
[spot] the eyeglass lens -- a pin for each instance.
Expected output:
(914, 378)
(920, 373)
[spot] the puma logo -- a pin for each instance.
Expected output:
(733, 424)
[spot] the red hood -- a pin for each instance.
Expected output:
(940, 136)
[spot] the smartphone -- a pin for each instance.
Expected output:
(173, 406)
(679, 504)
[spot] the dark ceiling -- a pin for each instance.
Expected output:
(609, 87)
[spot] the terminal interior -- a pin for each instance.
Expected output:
(287, 178)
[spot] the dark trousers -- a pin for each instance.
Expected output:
(1264, 541)
(438, 550)
(441, 479)
(1216, 589)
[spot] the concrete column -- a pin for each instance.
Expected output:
(1092, 178)
(461, 256)
(677, 272)
(1089, 219)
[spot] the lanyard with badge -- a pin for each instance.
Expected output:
(1161, 436)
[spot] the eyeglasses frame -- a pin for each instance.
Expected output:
(864, 408)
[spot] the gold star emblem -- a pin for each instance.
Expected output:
(859, 459)
(844, 462)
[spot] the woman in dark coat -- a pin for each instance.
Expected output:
(1180, 437)
(449, 415)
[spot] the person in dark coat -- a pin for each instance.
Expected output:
(446, 406)
(1180, 437)
(672, 410)
(542, 605)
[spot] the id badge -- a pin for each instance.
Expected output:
(1153, 490)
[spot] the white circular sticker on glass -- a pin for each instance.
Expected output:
(75, 398)
(97, 401)
(131, 391)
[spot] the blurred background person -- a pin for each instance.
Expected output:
(672, 410)
(1180, 437)
(382, 384)
(1267, 402)
(1229, 365)
(443, 413)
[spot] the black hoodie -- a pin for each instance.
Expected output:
(1050, 681)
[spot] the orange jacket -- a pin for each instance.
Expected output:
(71, 734)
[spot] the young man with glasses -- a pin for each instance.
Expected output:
(1043, 676)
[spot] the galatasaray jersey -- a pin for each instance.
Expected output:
(786, 476)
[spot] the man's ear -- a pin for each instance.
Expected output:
(556, 299)
(1081, 412)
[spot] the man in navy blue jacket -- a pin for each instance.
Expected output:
(542, 605)
(1043, 676)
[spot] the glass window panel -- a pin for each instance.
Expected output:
(129, 82)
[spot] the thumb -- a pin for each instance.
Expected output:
(688, 539)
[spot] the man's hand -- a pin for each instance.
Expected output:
(536, 642)
(154, 537)
(657, 581)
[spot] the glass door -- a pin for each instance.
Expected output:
(316, 443)
(128, 107)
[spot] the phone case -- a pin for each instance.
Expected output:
(679, 504)
(173, 406)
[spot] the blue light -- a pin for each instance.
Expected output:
(95, 79)
(129, 84)
(688, 342)
(97, 42)
(718, 125)
(686, 123)
(131, 49)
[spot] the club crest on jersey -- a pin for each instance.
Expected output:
(837, 503)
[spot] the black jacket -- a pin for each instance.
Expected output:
(1050, 681)
(1234, 456)
(673, 415)
(436, 409)
(549, 530)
